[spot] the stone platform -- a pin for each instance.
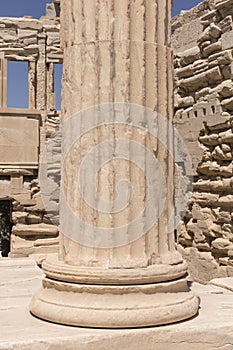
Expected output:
(20, 278)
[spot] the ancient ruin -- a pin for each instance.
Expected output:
(106, 275)
(102, 267)
(24, 132)
(201, 40)
(203, 47)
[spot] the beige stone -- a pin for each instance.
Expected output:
(19, 217)
(109, 283)
(225, 89)
(14, 131)
(29, 24)
(227, 40)
(208, 50)
(35, 230)
(187, 29)
(211, 31)
(21, 278)
(34, 219)
(23, 131)
(228, 103)
(221, 245)
(201, 80)
(202, 265)
(190, 55)
(38, 248)
(206, 127)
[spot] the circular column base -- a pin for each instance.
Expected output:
(117, 306)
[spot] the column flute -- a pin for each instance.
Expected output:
(117, 266)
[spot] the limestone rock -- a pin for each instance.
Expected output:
(206, 127)
(33, 219)
(208, 50)
(202, 265)
(227, 40)
(35, 230)
(225, 89)
(19, 217)
(221, 246)
(189, 56)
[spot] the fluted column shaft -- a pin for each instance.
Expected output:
(117, 266)
(117, 52)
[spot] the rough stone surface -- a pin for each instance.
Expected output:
(108, 282)
(202, 41)
(204, 117)
(24, 133)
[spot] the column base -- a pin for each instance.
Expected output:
(114, 306)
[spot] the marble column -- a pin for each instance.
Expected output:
(117, 265)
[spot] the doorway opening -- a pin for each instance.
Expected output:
(5, 227)
(17, 84)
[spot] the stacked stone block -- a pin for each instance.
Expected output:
(37, 42)
(204, 117)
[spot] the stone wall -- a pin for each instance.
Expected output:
(27, 131)
(204, 117)
(203, 60)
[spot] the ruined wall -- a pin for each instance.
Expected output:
(203, 47)
(204, 118)
(25, 132)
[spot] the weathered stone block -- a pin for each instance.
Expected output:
(221, 246)
(30, 24)
(19, 217)
(33, 219)
(35, 230)
(196, 227)
(212, 48)
(222, 216)
(202, 265)
(190, 55)
(226, 24)
(207, 199)
(227, 40)
(19, 140)
(201, 80)
(225, 89)
(228, 103)
(50, 10)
